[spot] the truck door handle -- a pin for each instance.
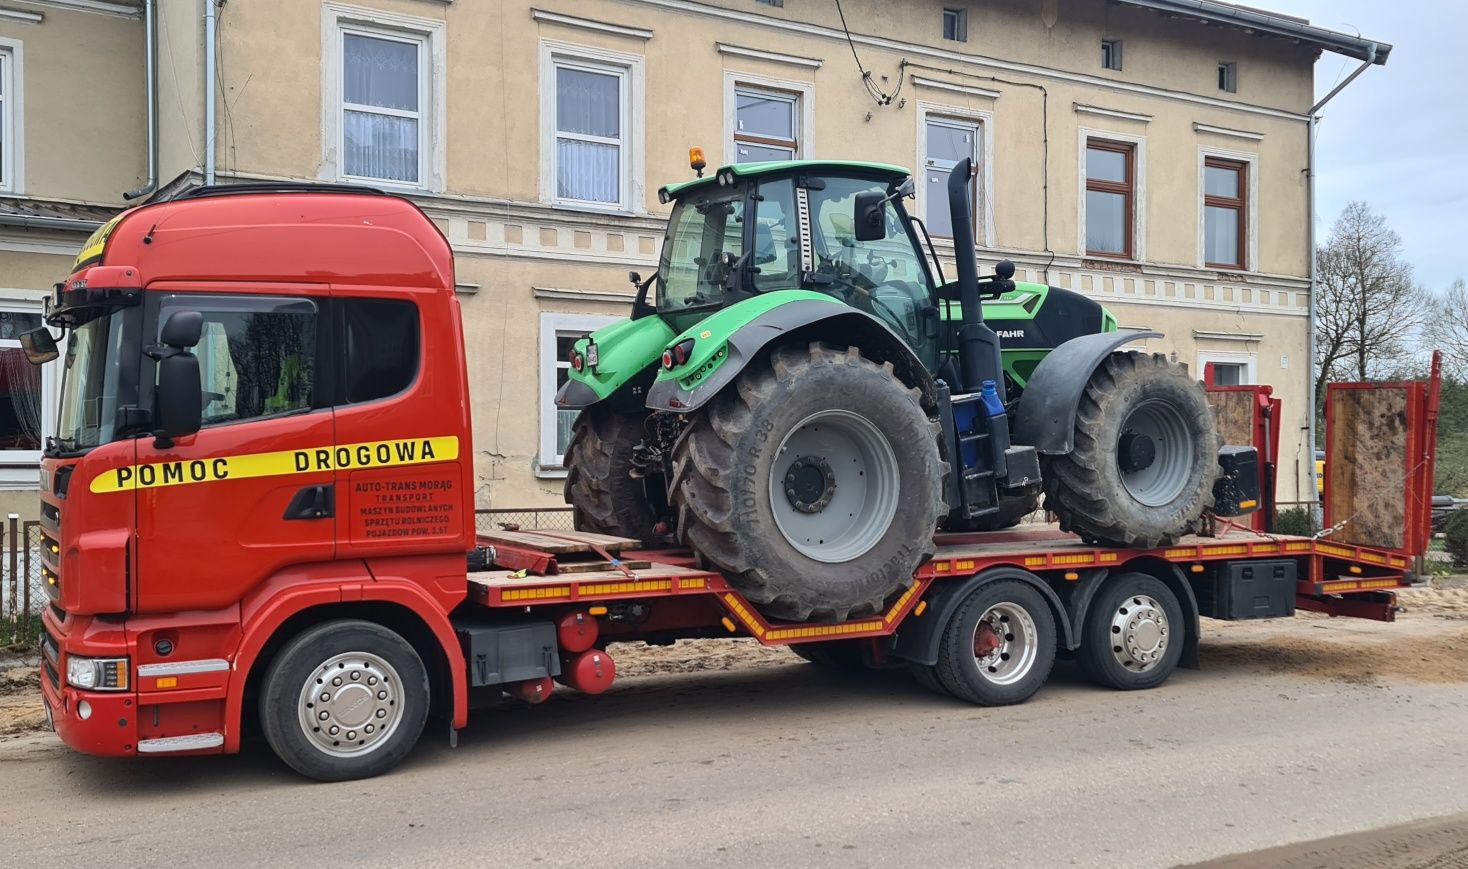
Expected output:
(312, 502)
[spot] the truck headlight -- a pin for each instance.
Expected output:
(97, 674)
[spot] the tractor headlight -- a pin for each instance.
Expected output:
(97, 674)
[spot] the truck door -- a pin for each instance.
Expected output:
(222, 510)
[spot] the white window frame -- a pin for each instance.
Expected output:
(550, 463)
(960, 23)
(20, 469)
(1139, 190)
(12, 117)
(984, 121)
(805, 112)
(630, 70)
(1251, 205)
(338, 20)
(1250, 361)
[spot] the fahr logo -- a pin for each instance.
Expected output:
(1010, 333)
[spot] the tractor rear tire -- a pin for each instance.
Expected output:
(599, 484)
(1012, 508)
(1145, 459)
(814, 483)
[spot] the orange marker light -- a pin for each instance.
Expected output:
(696, 162)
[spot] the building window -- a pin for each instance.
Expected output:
(1225, 186)
(1226, 369)
(1110, 191)
(955, 24)
(946, 142)
(7, 120)
(1228, 77)
(21, 390)
(589, 105)
(382, 106)
(769, 2)
(766, 125)
(558, 332)
(1111, 54)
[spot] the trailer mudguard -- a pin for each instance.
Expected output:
(1046, 416)
(625, 350)
(918, 638)
(805, 316)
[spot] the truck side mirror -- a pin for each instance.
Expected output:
(179, 398)
(870, 222)
(39, 346)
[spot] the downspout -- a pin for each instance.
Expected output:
(1310, 196)
(211, 22)
(150, 24)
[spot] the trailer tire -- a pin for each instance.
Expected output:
(927, 677)
(1145, 457)
(998, 647)
(832, 654)
(1133, 634)
(381, 701)
(604, 497)
(814, 483)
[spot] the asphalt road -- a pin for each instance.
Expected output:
(789, 765)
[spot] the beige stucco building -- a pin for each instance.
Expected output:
(1151, 153)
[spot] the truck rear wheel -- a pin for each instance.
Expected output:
(345, 700)
(599, 484)
(1145, 458)
(1133, 635)
(999, 646)
(814, 483)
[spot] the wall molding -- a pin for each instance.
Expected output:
(1083, 109)
(771, 56)
(23, 15)
(1205, 335)
(547, 17)
(967, 90)
(118, 10)
(598, 296)
(1225, 131)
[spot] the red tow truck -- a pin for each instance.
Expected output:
(258, 511)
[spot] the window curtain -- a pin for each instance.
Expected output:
(23, 387)
(588, 104)
(380, 73)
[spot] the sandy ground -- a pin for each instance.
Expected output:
(1428, 643)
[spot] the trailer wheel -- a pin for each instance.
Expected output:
(832, 654)
(344, 700)
(999, 646)
(1133, 634)
(928, 678)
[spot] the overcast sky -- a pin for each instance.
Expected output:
(1397, 137)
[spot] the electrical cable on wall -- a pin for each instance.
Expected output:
(881, 97)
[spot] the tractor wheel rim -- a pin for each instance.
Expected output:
(1004, 643)
(1166, 475)
(351, 704)
(857, 501)
(1139, 633)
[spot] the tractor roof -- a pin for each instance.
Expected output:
(744, 170)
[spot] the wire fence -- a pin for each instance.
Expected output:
(22, 593)
(525, 518)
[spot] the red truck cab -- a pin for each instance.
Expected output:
(321, 470)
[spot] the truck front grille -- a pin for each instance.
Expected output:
(51, 660)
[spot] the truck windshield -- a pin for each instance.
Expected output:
(89, 383)
(705, 240)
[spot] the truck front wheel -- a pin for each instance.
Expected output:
(344, 700)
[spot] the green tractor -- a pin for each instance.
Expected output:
(808, 398)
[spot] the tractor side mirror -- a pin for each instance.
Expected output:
(39, 346)
(871, 217)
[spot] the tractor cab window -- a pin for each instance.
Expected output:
(776, 237)
(705, 241)
(884, 277)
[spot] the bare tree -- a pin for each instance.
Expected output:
(1368, 310)
(1447, 328)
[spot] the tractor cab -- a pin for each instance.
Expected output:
(764, 227)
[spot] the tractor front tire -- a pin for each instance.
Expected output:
(599, 484)
(814, 483)
(1145, 459)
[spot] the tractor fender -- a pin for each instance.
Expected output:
(628, 353)
(918, 638)
(1046, 416)
(797, 320)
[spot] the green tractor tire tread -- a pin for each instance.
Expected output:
(706, 461)
(603, 497)
(1084, 487)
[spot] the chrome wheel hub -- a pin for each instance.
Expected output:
(1139, 633)
(1005, 645)
(351, 704)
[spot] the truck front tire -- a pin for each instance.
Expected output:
(345, 700)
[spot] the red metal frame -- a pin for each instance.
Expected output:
(1265, 428)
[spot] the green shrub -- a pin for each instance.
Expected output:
(1295, 520)
(1456, 539)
